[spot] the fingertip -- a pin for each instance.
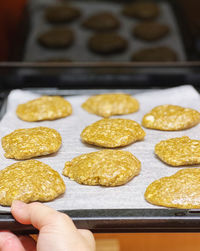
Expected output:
(19, 211)
(17, 204)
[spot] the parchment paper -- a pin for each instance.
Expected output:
(79, 196)
(78, 51)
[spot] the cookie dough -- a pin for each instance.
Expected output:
(105, 168)
(107, 43)
(106, 105)
(44, 108)
(112, 133)
(102, 21)
(181, 190)
(141, 10)
(63, 13)
(150, 31)
(29, 180)
(31, 142)
(157, 54)
(56, 38)
(179, 151)
(171, 118)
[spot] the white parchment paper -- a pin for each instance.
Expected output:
(78, 51)
(79, 196)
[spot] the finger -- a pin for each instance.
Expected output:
(10, 242)
(28, 243)
(88, 236)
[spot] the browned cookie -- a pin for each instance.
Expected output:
(56, 38)
(141, 10)
(102, 21)
(150, 31)
(107, 43)
(61, 14)
(158, 54)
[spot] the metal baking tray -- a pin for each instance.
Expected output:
(112, 220)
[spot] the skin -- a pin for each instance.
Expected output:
(56, 231)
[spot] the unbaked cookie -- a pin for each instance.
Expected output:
(150, 31)
(105, 168)
(181, 190)
(112, 133)
(141, 10)
(179, 151)
(56, 38)
(102, 21)
(31, 142)
(29, 180)
(107, 43)
(44, 108)
(171, 118)
(62, 14)
(106, 105)
(157, 54)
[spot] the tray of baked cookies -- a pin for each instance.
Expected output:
(121, 160)
(103, 31)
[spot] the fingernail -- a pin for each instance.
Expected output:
(17, 204)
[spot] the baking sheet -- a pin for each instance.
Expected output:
(129, 196)
(79, 52)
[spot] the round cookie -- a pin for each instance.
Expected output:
(157, 54)
(112, 133)
(141, 10)
(150, 31)
(105, 168)
(181, 190)
(102, 21)
(31, 142)
(44, 108)
(171, 118)
(29, 180)
(106, 105)
(179, 151)
(56, 38)
(107, 43)
(59, 14)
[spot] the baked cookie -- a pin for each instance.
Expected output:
(29, 180)
(181, 190)
(44, 108)
(107, 43)
(141, 10)
(157, 54)
(102, 21)
(150, 31)
(56, 38)
(60, 14)
(179, 151)
(171, 118)
(31, 142)
(105, 168)
(106, 105)
(112, 133)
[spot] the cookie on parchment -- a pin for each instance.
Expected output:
(44, 108)
(107, 43)
(181, 190)
(102, 21)
(31, 142)
(105, 168)
(171, 118)
(141, 10)
(56, 38)
(150, 31)
(106, 105)
(156, 54)
(29, 180)
(112, 133)
(60, 14)
(179, 151)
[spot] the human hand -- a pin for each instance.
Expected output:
(57, 232)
